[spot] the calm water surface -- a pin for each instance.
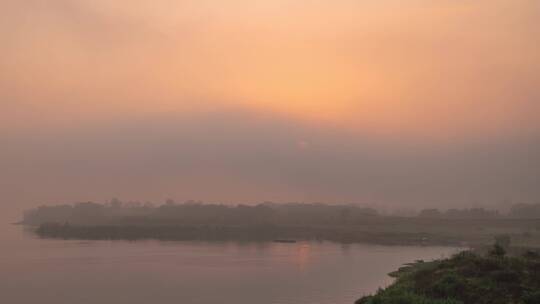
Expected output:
(66, 272)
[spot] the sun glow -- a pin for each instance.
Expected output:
(369, 65)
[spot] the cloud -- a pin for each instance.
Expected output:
(370, 101)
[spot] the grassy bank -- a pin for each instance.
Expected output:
(466, 278)
(376, 230)
(240, 233)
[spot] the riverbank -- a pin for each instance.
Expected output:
(374, 230)
(240, 233)
(465, 278)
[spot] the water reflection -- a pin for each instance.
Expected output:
(65, 272)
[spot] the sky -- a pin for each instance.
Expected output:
(402, 104)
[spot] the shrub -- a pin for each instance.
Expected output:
(466, 278)
(532, 297)
(497, 251)
(449, 286)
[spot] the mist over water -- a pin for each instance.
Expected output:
(117, 272)
(425, 111)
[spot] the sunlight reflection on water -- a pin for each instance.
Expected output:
(61, 272)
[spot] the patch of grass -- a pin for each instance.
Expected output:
(466, 278)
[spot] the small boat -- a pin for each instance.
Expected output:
(284, 241)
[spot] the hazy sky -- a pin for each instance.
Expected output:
(392, 102)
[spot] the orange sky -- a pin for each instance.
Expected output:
(416, 66)
(258, 99)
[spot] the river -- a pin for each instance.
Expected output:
(43, 271)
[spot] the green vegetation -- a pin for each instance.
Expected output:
(466, 278)
(270, 221)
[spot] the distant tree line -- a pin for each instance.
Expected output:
(525, 211)
(196, 213)
(473, 213)
(517, 211)
(270, 221)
